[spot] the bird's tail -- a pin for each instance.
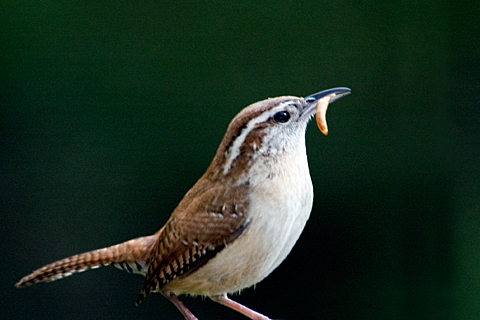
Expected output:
(131, 256)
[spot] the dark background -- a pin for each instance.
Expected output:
(109, 113)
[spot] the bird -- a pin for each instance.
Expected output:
(236, 224)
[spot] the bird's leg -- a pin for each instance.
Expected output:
(180, 306)
(226, 301)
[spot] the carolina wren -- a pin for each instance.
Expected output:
(236, 224)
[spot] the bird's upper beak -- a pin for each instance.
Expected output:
(336, 93)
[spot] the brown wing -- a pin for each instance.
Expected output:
(195, 233)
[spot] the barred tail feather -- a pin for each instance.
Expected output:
(131, 255)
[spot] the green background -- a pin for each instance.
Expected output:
(111, 110)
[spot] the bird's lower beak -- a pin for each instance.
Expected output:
(334, 93)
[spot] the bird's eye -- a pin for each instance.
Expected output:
(281, 116)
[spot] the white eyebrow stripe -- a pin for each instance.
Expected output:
(234, 150)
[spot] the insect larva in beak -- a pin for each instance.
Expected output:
(321, 113)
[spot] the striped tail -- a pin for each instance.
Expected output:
(131, 255)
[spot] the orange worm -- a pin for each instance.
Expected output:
(321, 114)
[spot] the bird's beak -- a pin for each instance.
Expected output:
(335, 93)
